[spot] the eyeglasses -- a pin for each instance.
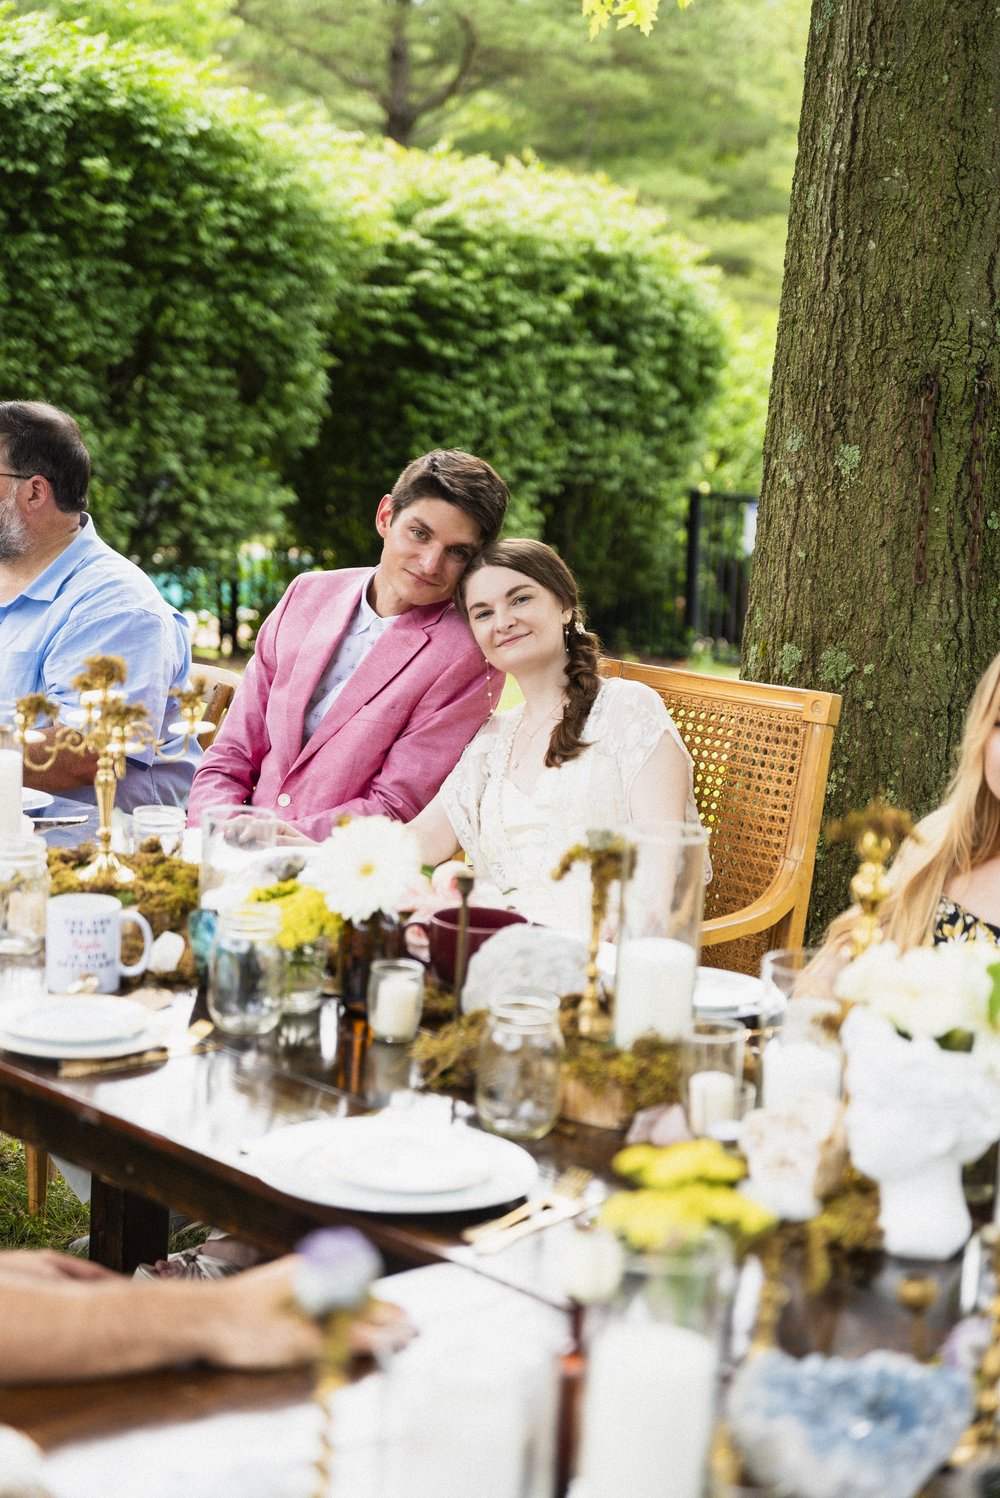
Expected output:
(4, 474)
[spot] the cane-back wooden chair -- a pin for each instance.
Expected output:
(219, 689)
(761, 759)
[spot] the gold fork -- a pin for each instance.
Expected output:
(566, 1192)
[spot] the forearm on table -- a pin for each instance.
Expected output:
(56, 1332)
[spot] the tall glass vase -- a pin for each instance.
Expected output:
(662, 902)
(652, 1375)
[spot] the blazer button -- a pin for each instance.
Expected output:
(284, 799)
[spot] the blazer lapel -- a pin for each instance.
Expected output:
(318, 645)
(386, 660)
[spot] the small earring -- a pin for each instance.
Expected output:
(489, 685)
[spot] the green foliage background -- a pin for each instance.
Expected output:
(166, 272)
(542, 320)
(258, 325)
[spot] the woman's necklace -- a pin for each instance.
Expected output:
(526, 744)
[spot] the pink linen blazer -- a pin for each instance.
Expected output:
(394, 732)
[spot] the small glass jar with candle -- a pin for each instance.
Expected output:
(804, 1054)
(519, 1065)
(712, 1059)
(246, 971)
(395, 999)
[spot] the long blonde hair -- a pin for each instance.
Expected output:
(960, 835)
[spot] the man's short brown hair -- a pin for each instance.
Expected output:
(462, 480)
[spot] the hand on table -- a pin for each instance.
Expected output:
(45, 1265)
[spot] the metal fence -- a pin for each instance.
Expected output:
(701, 603)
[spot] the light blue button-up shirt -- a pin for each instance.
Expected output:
(92, 601)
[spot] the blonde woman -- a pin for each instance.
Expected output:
(946, 876)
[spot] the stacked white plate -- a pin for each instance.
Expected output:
(719, 994)
(68, 1027)
(34, 800)
(393, 1162)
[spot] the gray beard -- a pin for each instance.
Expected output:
(15, 539)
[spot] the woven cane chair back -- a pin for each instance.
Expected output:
(761, 758)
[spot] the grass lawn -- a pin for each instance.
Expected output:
(65, 1218)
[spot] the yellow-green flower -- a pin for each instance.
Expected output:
(305, 915)
(673, 1164)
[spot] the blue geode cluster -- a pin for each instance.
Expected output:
(877, 1427)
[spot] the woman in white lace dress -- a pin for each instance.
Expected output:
(579, 753)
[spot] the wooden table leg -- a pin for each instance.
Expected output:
(37, 1171)
(125, 1229)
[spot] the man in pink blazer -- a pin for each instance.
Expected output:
(365, 685)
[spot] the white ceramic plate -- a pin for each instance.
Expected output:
(78, 1021)
(717, 991)
(35, 800)
(382, 1153)
(146, 1040)
(297, 1159)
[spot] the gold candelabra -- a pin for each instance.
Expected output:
(111, 728)
(876, 833)
(610, 857)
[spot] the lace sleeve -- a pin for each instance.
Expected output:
(630, 722)
(462, 792)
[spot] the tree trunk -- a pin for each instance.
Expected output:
(400, 116)
(890, 294)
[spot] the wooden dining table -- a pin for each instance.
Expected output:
(176, 1135)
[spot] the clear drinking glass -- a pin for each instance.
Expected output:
(518, 1072)
(804, 1053)
(24, 891)
(233, 838)
(246, 971)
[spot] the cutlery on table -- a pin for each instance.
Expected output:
(196, 1042)
(564, 1201)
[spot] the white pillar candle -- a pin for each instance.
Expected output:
(653, 988)
(396, 1012)
(647, 1412)
(794, 1067)
(711, 1099)
(11, 780)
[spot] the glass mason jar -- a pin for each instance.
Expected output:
(305, 971)
(24, 892)
(518, 1070)
(24, 889)
(246, 971)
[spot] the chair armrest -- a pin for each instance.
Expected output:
(777, 900)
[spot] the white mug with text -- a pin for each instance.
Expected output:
(83, 939)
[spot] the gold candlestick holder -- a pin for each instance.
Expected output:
(981, 1435)
(610, 858)
(876, 833)
(111, 728)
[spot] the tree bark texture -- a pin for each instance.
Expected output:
(891, 284)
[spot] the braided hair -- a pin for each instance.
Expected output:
(583, 649)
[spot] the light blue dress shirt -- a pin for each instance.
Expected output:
(92, 601)
(365, 629)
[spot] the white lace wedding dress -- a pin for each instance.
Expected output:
(515, 840)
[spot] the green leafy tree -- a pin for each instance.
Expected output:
(542, 320)
(166, 267)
